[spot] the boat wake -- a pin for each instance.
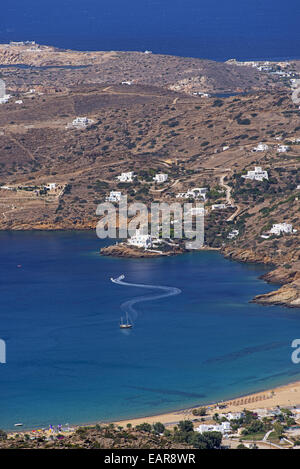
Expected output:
(129, 306)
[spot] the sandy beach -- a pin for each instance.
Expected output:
(283, 396)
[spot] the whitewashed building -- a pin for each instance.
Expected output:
(281, 228)
(223, 427)
(261, 147)
(81, 122)
(114, 196)
(283, 148)
(196, 193)
(51, 186)
(160, 178)
(126, 177)
(233, 234)
(234, 415)
(218, 207)
(140, 240)
(258, 174)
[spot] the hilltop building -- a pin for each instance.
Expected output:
(282, 228)
(283, 148)
(258, 174)
(261, 147)
(218, 207)
(140, 240)
(196, 193)
(80, 123)
(114, 196)
(126, 177)
(160, 178)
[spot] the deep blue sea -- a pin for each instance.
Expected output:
(215, 29)
(68, 360)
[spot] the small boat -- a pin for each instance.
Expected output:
(125, 325)
(18, 425)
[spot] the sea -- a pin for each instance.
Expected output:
(68, 361)
(218, 29)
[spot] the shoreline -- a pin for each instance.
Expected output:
(286, 395)
(281, 396)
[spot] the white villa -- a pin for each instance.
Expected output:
(280, 228)
(80, 123)
(233, 234)
(140, 240)
(261, 147)
(126, 82)
(160, 178)
(218, 207)
(114, 196)
(234, 415)
(126, 177)
(283, 148)
(224, 427)
(51, 186)
(195, 193)
(258, 174)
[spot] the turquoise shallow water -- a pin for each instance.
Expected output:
(68, 361)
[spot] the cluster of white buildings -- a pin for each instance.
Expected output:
(126, 177)
(160, 178)
(196, 193)
(258, 174)
(80, 123)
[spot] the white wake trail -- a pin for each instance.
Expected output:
(128, 306)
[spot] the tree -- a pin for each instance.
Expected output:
(158, 427)
(186, 426)
(144, 427)
(3, 435)
(199, 412)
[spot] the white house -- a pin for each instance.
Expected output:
(234, 415)
(160, 178)
(283, 148)
(218, 206)
(81, 122)
(224, 427)
(126, 82)
(140, 240)
(51, 186)
(258, 174)
(195, 193)
(261, 147)
(279, 228)
(114, 196)
(126, 177)
(233, 234)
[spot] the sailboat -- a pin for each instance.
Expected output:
(125, 325)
